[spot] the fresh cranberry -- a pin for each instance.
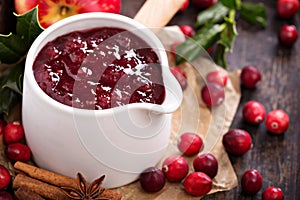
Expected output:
(277, 121)
(190, 144)
(250, 76)
(184, 6)
(237, 141)
(180, 76)
(206, 163)
(287, 35)
(218, 76)
(187, 30)
(13, 132)
(4, 177)
(18, 152)
(254, 112)
(287, 8)
(175, 168)
(2, 126)
(4, 195)
(204, 3)
(152, 179)
(197, 184)
(272, 193)
(212, 94)
(251, 182)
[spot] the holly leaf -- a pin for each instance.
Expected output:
(254, 13)
(212, 15)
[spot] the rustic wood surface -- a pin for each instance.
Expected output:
(276, 157)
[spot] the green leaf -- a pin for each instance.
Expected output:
(15, 78)
(193, 47)
(232, 4)
(212, 15)
(220, 57)
(11, 48)
(254, 13)
(229, 34)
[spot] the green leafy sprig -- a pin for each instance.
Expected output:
(13, 51)
(217, 26)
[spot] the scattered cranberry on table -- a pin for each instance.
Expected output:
(287, 8)
(18, 152)
(218, 76)
(180, 76)
(250, 76)
(190, 144)
(254, 112)
(204, 3)
(197, 184)
(152, 179)
(206, 163)
(13, 132)
(287, 35)
(277, 121)
(187, 30)
(4, 195)
(272, 193)
(175, 168)
(251, 182)
(4, 177)
(237, 141)
(212, 94)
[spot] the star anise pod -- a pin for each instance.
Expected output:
(85, 191)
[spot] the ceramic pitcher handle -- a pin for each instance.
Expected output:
(157, 13)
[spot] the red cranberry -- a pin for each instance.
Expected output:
(206, 163)
(251, 182)
(254, 112)
(4, 177)
(13, 132)
(277, 121)
(175, 168)
(250, 76)
(184, 6)
(197, 184)
(5, 195)
(190, 144)
(287, 35)
(18, 152)
(180, 76)
(218, 76)
(187, 30)
(272, 193)
(287, 8)
(152, 179)
(213, 94)
(2, 126)
(204, 3)
(237, 141)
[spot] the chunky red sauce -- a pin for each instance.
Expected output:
(99, 69)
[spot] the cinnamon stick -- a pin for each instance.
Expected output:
(23, 193)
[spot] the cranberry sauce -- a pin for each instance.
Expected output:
(100, 68)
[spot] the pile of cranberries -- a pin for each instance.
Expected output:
(15, 150)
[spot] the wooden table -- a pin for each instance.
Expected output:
(276, 157)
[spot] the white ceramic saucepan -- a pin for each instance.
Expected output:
(119, 142)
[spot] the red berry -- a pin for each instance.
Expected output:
(5, 195)
(287, 35)
(272, 193)
(187, 30)
(206, 163)
(237, 141)
(2, 126)
(277, 121)
(185, 5)
(250, 76)
(152, 179)
(13, 132)
(218, 76)
(197, 184)
(212, 94)
(18, 152)
(251, 182)
(190, 144)
(180, 76)
(254, 112)
(287, 8)
(175, 168)
(204, 3)
(4, 177)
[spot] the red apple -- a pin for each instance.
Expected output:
(51, 11)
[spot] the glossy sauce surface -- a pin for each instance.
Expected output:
(100, 69)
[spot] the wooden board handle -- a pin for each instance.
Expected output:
(157, 13)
